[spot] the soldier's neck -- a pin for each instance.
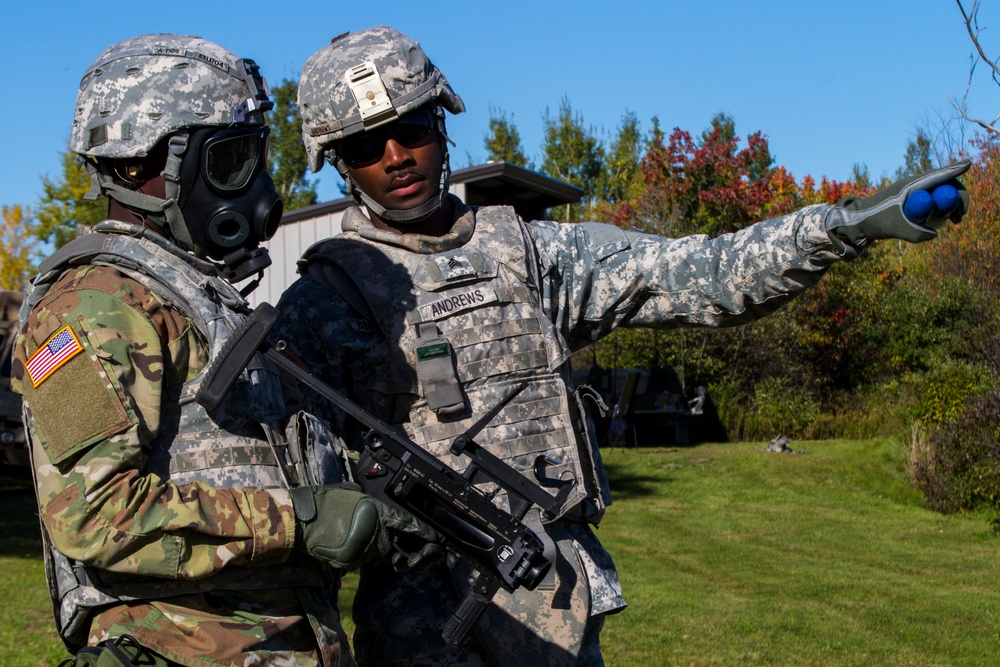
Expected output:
(438, 224)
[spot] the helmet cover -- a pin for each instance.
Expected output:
(338, 83)
(141, 90)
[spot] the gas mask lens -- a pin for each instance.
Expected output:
(231, 157)
(368, 147)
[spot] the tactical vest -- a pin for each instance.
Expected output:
(464, 327)
(234, 446)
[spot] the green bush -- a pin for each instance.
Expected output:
(779, 408)
(941, 394)
(957, 465)
(868, 413)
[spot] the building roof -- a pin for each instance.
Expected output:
(502, 183)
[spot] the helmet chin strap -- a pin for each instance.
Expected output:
(404, 216)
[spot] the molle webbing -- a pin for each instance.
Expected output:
(242, 579)
(504, 364)
(210, 458)
(477, 334)
(531, 411)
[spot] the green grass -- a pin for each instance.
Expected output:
(728, 556)
(27, 629)
(733, 556)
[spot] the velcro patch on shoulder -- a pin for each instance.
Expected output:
(76, 406)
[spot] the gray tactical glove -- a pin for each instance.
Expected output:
(854, 222)
(341, 525)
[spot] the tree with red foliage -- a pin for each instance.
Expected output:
(713, 186)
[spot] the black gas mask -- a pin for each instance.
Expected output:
(228, 199)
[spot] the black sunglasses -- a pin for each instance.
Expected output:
(368, 147)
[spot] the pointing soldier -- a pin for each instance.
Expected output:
(427, 312)
(171, 531)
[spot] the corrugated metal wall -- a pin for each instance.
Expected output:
(286, 247)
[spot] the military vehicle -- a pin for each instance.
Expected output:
(13, 448)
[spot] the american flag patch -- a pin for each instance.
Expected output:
(59, 349)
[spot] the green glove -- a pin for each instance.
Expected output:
(341, 525)
(854, 222)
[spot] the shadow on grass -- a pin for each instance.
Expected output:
(626, 484)
(20, 534)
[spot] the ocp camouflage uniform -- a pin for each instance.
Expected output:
(497, 301)
(151, 533)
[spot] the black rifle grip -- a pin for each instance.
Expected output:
(245, 342)
(458, 627)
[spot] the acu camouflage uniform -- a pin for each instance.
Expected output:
(152, 528)
(359, 319)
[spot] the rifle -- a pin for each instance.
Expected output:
(504, 552)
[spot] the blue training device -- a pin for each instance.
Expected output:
(921, 204)
(945, 198)
(918, 206)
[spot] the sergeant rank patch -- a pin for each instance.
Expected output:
(60, 348)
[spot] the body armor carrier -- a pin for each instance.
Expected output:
(464, 327)
(237, 445)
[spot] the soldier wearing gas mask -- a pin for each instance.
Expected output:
(168, 527)
(428, 312)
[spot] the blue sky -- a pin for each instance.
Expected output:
(830, 83)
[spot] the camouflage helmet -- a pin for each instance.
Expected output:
(362, 80)
(143, 89)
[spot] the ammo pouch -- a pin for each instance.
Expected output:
(317, 455)
(437, 373)
(124, 651)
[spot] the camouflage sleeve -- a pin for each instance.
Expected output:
(595, 277)
(90, 414)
